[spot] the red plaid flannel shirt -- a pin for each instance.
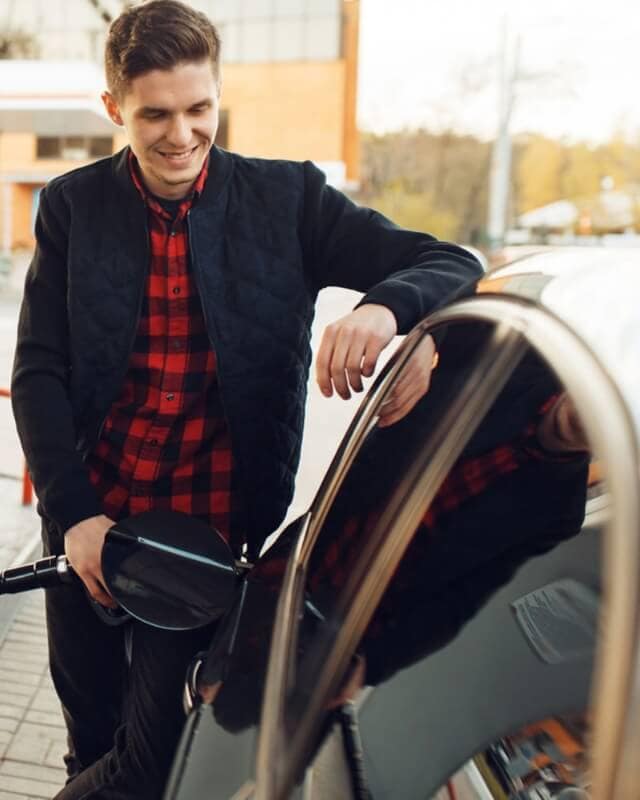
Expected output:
(165, 444)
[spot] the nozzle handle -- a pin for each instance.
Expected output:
(40, 574)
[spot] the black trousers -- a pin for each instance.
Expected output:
(123, 722)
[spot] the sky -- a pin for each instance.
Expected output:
(435, 63)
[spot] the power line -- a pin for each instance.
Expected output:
(104, 13)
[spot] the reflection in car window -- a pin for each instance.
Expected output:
(506, 498)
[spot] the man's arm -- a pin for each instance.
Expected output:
(41, 402)
(404, 274)
(346, 245)
(350, 349)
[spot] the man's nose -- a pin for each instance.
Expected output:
(179, 134)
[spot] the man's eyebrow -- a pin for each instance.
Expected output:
(151, 110)
(158, 110)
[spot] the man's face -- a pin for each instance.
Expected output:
(171, 118)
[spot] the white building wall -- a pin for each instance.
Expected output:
(252, 30)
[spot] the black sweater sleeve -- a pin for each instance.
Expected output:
(357, 248)
(40, 383)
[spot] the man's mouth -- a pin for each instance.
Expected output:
(178, 157)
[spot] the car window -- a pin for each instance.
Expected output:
(450, 562)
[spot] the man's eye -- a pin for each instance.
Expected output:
(154, 115)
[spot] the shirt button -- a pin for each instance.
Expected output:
(170, 396)
(176, 290)
(176, 344)
(153, 442)
(172, 233)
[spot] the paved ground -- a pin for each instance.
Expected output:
(32, 736)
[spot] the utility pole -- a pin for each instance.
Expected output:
(501, 156)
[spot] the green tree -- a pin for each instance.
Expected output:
(426, 181)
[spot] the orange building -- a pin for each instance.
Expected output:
(289, 91)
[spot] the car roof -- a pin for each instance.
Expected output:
(595, 292)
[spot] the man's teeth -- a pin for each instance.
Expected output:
(177, 156)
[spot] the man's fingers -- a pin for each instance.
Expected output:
(390, 416)
(99, 593)
(361, 359)
(354, 370)
(343, 371)
(394, 403)
(323, 361)
(375, 345)
(350, 348)
(413, 382)
(412, 385)
(354, 360)
(340, 361)
(400, 403)
(83, 544)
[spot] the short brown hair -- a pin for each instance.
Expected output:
(158, 34)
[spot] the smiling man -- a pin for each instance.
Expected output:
(171, 118)
(162, 359)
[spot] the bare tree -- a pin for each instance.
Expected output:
(103, 12)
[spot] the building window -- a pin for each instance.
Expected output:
(100, 146)
(48, 147)
(74, 148)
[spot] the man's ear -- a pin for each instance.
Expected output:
(112, 108)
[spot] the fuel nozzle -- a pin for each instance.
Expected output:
(40, 574)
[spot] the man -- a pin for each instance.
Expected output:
(162, 358)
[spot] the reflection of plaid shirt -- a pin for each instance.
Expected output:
(468, 478)
(165, 443)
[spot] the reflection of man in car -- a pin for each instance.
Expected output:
(560, 430)
(460, 556)
(518, 489)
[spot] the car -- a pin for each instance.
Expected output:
(459, 609)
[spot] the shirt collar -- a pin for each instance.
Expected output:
(152, 203)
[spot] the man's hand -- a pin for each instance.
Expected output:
(83, 548)
(560, 430)
(350, 348)
(412, 384)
